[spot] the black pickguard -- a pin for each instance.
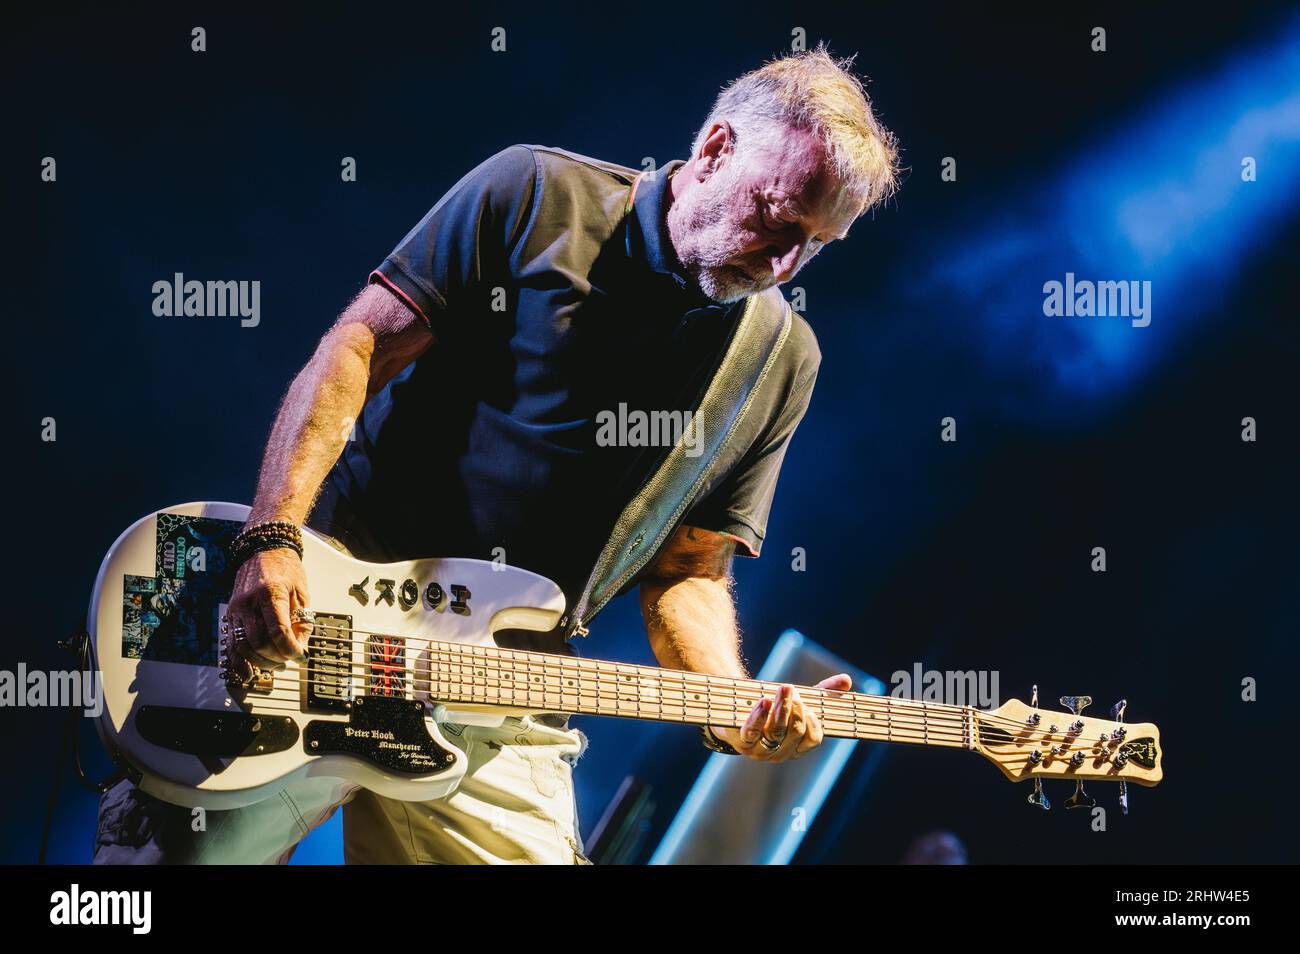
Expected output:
(212, 734)
(388, 732)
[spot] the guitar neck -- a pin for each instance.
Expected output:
(491, 676)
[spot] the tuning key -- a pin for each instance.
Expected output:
(1080, 798)
(1076, 704)
(1037, 798)
(1121, 759)
(1034, 718)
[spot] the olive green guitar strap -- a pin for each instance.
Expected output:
(654, 512)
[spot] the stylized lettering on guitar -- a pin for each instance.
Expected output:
(408, 595)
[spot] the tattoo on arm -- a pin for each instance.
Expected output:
(692, 552)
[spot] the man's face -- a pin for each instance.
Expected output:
(740, 226)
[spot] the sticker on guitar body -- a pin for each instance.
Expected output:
(173, 616)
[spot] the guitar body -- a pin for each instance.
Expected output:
(363, 708)
(397, 651)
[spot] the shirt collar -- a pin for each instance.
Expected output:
(648, 239)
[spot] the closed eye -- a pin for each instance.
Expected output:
(770, 222)
(773, 224)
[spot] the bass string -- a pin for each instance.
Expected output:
(617, 707)
(861, 732)
(838, 716)
(894, 730)
(874, 733)
(832, 699)
(848, 708)
(895, 710)
(549, 661)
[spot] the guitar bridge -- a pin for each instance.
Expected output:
(237, 672)
(242, 675)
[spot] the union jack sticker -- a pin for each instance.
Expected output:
(386, 659)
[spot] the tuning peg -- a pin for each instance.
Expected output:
(1037, 798)
(1076, 704)
(1080, 798)
(1117, 713)
(1034, 717)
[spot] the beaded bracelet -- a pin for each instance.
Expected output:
(270, 528)
(268, 535)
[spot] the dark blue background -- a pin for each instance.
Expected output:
(974, 555)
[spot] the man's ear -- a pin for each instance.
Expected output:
(718, 147)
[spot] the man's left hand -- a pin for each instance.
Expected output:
(783, 727)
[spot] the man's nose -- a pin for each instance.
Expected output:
(785, 262)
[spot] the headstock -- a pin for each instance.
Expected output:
(1028, 742)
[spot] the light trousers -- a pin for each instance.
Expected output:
(515, 805)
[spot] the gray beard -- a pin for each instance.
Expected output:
(722, 286)
(715, 279)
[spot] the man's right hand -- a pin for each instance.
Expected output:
(269, 587)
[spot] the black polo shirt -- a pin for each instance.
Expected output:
(552, 290)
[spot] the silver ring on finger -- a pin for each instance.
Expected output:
(768, 744)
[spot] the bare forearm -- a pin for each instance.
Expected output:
(374, 338)
(692, 625)
(691, 620)
(311, 429)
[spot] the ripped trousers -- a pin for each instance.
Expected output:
(515, 805)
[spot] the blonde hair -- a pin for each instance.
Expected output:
(812, 90)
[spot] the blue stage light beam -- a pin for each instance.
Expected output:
(1162, 199)
(775, 840)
